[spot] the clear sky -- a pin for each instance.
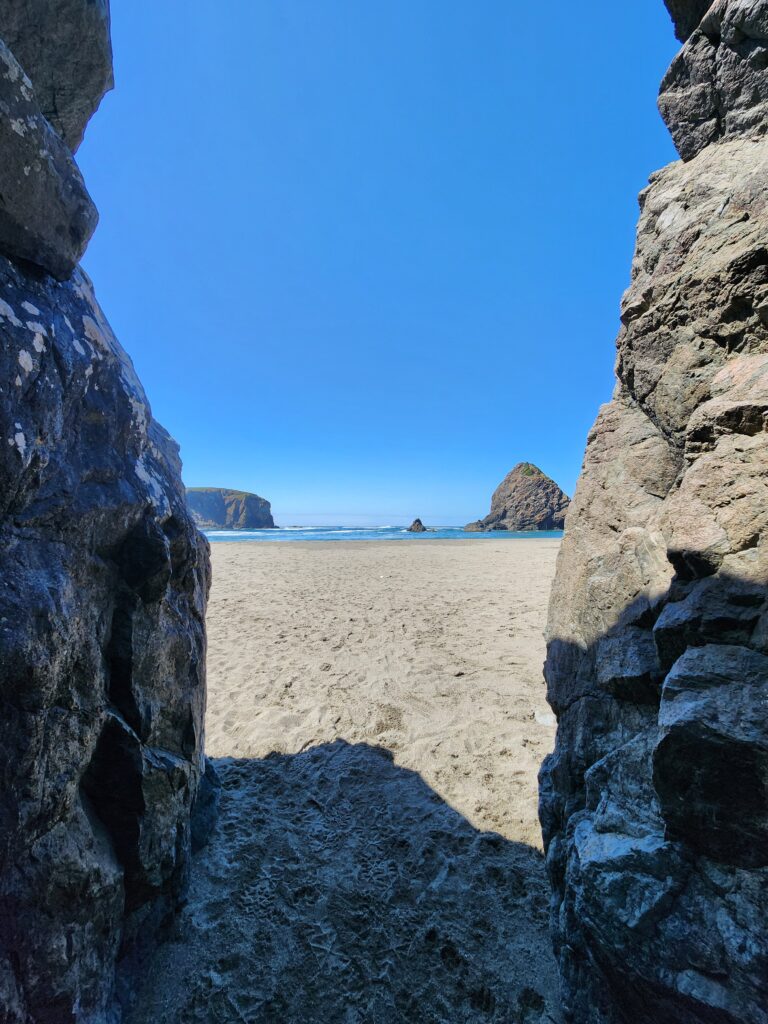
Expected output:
(367, 254)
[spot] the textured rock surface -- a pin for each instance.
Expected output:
(686, 15)
(717, 87)
(103, 584)
(654, 804)
(417, 527)
(64, 47)
(216, 508)
(526, 499)
(46, 215)
(101, 654)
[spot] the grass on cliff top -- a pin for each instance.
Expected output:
(221, 490)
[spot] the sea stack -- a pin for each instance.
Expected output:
(526, 499)
(417, 527)
(216, 508)
(103, 576)
(653, 805)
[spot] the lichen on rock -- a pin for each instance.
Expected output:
(46, 214)
(64, 46)
(103, 585)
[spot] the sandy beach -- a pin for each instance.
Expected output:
(430, 648)
(376, 714)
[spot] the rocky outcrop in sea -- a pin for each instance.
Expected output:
(654, 804)
(216, 508)
(103, 576)
(417, 527)
(526, 499)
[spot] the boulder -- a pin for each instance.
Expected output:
(216, 508)
(710, 763)
(64, 46)
(102, 654)
(526, 499)
(46, 214)
(653, 803)
(103, 582)
(417, 527)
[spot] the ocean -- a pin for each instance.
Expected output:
(331, 533)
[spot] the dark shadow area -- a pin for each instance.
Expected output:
(338, 887)
(654, 806)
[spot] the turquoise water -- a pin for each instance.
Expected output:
(330, 533)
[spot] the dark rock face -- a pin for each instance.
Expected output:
(686, 15)
(103, 586)
(526, 499)
(417, 527)
(654, 803)
(46, 215)
(216, 508)
(64, 47)
(717, 87)
(102, 651)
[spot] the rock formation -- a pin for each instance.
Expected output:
(417, 527)
(654, 805)
(103, 576)
(216, 508)
(64, 46)
(46, 215)
(526, 499)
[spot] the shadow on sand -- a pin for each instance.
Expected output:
(338, 887)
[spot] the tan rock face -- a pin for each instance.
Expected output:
(654, 804)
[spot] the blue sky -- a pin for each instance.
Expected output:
(367, 254)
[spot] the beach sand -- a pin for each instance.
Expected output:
(431, 648)
(376, 713)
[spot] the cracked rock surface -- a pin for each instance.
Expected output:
(526, 499)
(654, 804)
(64, 47)
(102, 602)
(46, 214)
(103, 578)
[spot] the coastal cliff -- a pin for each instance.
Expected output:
(103, 576)
(216, 508)
(653, 804)
(526, 499)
